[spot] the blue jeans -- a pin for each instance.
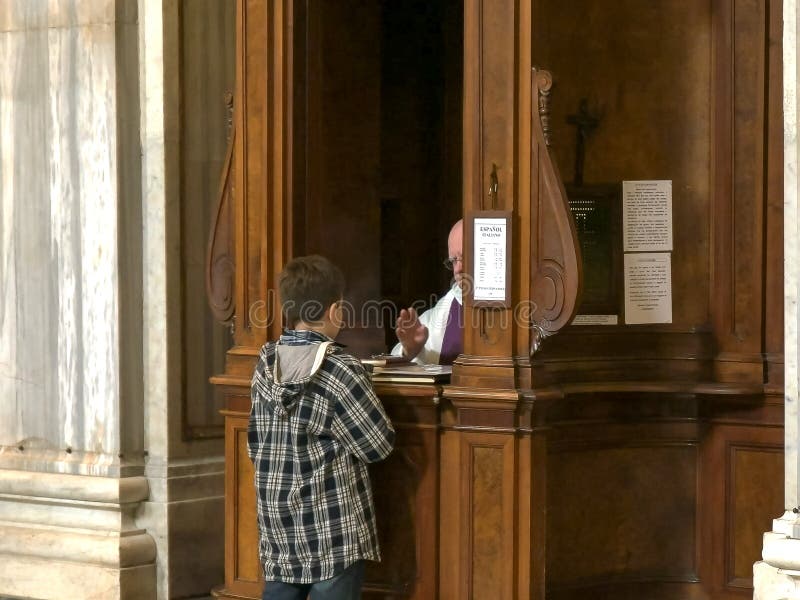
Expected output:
(345, 586)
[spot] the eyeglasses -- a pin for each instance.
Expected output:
(449, 263)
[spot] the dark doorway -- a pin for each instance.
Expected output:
(377, 151)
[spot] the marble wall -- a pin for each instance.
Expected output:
(61, 220)
(791, 252)
(185, 509)
(91, 344)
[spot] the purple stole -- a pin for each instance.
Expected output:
(453, 341)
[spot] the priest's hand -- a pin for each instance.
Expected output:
(411, 332)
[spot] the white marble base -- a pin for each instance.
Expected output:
(774, 584)
(74, 536)
(43, 579)
(185, 514)
(777, 577)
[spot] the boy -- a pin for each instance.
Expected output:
(315, 423)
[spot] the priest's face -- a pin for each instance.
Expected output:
(455, 251)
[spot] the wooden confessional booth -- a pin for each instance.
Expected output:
(600, 460)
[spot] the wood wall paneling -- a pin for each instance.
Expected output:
(630, 514)
(486, 562)
(712, 125)
(395, 485)
(347, 95)
(452, 535)
(741, 492)
(738, 179)
(248, 567)
(598, 353)
(753, 496)
(480, 531)
(207, 46)
(531, 514)
(668, 120)
(406, 493)
(773, 272)
(650, 126)
(242, 566)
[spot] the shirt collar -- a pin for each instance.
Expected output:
(458, 293)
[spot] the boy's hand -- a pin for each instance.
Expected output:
(411, 332)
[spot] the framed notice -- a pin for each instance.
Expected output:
(491, 258)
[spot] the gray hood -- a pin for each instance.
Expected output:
(283, 372)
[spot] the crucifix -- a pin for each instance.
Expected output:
(585, 123)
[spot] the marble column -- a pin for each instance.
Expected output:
(185, 510)
(777, 577)
(102, 495)
(71, 409)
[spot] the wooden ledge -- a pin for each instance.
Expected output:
(697, 388)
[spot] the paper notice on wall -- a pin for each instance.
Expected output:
(595, 320)
(647, 216)
(648, 288)
(490, 259)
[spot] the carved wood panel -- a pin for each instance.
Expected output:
(406, 492)
(630, 514)
(405, 499)
(477, 523)
(741, 491)
(773, 273)
(738, 178)
(247, 563)
(487, 525)
(755, 496)
(201, 153)
(242, 569)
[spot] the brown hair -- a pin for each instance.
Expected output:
(308, 285)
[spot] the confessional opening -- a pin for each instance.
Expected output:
(377, 167)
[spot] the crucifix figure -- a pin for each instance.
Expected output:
(585, 123)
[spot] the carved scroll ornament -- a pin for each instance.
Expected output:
(220, 265)
(556, 263)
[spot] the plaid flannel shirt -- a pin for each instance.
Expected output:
(310, 440)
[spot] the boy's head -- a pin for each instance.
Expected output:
(311, 288)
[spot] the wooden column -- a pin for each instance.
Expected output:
(740, 183)
(249, 244)
(493, 456)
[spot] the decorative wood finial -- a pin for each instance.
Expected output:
(543, 83)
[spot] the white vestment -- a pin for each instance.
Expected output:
(435, 319)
